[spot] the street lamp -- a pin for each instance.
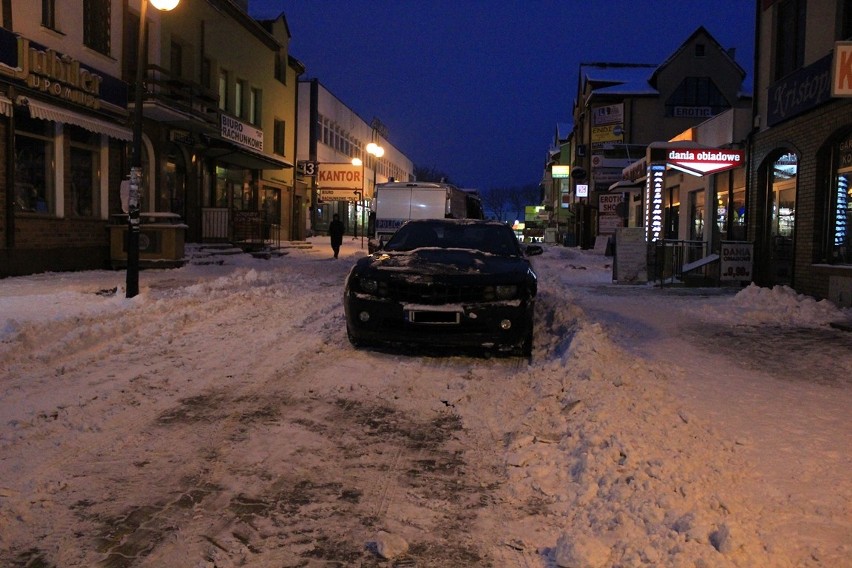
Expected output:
(133, 229)
(360, 194)
(377, 152)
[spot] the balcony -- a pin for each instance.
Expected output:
(179, 102)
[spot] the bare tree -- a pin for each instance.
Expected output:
(430, 173)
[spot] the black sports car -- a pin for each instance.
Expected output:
(445, 282)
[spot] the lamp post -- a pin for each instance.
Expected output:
(133, 229)
(360, 194)
(377, 152)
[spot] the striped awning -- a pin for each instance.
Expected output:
(46, 111)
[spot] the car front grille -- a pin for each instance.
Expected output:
(435, 293)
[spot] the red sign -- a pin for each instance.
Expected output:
(703, 161)
(841, 85)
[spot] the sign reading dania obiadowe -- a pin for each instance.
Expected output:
(736, 261)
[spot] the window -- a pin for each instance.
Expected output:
(239, 90)
(789, 40)
(84, 171)
(48, 14)
(700, 50)
(176, 60)
(131, 46)
(96, 25)
(840, 207)
(278, 137)
(34, 162)
(206, 73)
(254, 107)
(696, 94)
(281, 67)
(223, 90)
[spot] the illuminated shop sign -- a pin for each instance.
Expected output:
(701, 162)
(558, 171)
(57, 75)
(800, 91)
(340, 176)
(654, 201)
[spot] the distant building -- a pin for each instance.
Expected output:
(330, 133)
(799, 207)
(620, 109)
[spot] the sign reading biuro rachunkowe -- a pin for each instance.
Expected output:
(241, 133)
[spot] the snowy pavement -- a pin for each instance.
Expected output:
(222, 419)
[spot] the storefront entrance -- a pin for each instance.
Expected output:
(782, 218)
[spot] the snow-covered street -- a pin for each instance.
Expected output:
(221, 419)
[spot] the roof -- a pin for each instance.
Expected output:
(701, 30)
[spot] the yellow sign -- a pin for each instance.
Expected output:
(340, 176)
(607, 133)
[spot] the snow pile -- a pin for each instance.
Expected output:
(779, 305)
(637, 480)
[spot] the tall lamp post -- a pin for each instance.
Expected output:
(133, 229)
(377, 152)
(360, 194)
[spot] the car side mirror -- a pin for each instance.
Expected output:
(533, 250)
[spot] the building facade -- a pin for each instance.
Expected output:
(63, 134)
(218, 130)
(799, 198)
(620, 109)
(331, 135)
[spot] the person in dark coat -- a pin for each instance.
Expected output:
(335, 231)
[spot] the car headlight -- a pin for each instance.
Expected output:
(368, 285)
(506, 292)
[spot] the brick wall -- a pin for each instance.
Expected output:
(810, 136)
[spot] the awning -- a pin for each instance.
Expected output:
(219, 148)
(46, 111)
(624, 185)
(5, 106)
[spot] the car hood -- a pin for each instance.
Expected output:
(444, 261)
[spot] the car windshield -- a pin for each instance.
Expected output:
(492, 238)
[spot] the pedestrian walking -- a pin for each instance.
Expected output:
(335, 231)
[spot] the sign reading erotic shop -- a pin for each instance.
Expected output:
(345, 176)
(701, 162)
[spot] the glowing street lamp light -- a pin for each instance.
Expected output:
(133, 228)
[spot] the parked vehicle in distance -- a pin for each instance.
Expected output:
(397, 202)
(445, 282)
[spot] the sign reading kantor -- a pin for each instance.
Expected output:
(344, 176)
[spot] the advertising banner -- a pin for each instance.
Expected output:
(341, 176)
(736, 261)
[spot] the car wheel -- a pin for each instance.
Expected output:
(352, 339)
(525, 348)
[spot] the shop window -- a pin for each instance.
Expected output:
(840, 219)
(730, 207)
(173, 197)
(278, 137)
(696, 215)
(96, 25)
(84, 169)
(34, 166)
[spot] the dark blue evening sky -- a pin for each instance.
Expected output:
(475, 88)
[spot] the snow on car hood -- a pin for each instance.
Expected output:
(446, 261)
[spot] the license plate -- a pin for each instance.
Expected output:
(434, 317)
